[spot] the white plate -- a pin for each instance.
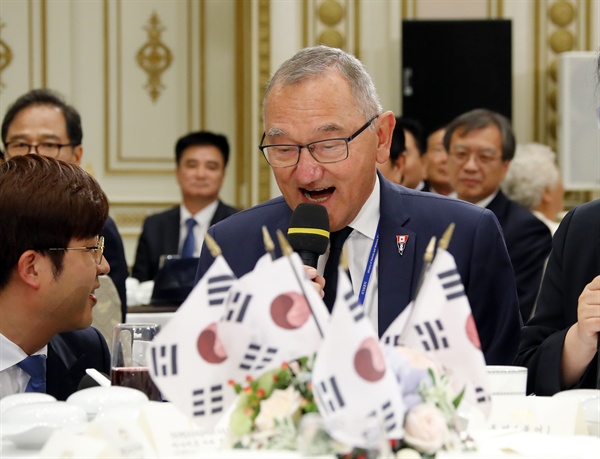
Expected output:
(24, 398)
(30, 425)
(95, 399)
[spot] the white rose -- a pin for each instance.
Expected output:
(425, 428)
(281, 404)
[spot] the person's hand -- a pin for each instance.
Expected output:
(588, 314)
(318, 281)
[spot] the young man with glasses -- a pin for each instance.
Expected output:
(481, 144)
(50, 258)
(40, 122)
(325, 132)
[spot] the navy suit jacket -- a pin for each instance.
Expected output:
(529, 242)
(160, 236)
(114, 252)
(69, 354)
(477, 246)
(573, 263)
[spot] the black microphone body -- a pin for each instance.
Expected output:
(308, 232)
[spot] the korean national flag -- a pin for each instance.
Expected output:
(273, 315)
(352, 381)
(188, 361)
(441, 324)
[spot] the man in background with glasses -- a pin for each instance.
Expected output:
(481, 144)
(50, 258)
(325, 132)
(40, 122)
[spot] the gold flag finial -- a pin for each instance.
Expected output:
(429, 250)
(445, 240)
(268, 241)
(286, 248)
(212, 245)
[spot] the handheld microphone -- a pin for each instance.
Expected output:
(308, 232)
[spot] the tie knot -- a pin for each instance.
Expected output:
(190, 223)
(337, 238)
(34, 366)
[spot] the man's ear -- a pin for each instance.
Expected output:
(77, 154)
(29, 268)
(385, 128)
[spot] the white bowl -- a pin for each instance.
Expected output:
(93, 400)
(590, 403)
(24, 398)
(30, 425)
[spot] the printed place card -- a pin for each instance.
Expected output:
(65, 444)
(172, 433)
(125, 437)
(546, 415)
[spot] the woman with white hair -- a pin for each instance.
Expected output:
(533, 180)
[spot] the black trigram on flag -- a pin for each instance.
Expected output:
(451, 283)
(237, 307)
(207, 401)
(392, 340)
(329, 395)
(481, 395)
(386, 416)
(356, 308)
(257, 357)
(432, 335)
(218, 287)
(164, 360)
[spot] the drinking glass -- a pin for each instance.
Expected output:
(129, 366)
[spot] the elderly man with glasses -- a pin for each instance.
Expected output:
(50, 258)
(481, 145)
(325, 132)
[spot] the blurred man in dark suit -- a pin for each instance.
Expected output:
(51, 254)
(41, 122)
(481, 144)
(201, 159)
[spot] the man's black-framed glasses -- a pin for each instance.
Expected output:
(98, 249)
(324, 151)
(20, 148)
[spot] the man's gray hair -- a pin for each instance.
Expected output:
(532, 170)
(318, 60)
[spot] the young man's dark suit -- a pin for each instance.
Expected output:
(573, 263)
(528, 241)
(69, 354)
(477, 246)
(160, 236)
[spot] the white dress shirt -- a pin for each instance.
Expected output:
(13, 380)
(358, 248)
(203, 219)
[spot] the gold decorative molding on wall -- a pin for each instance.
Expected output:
(328, 22)
(5, 55)
(264, 59)
(154, 57)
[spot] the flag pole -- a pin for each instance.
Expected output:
(268, 241)
(287, 250)
(212, 245)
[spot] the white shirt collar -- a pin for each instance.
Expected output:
(485, 202)
(203, 218)
(11, 354)
(368, 218)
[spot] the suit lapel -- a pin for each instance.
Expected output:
(395, 280)
(64, 369)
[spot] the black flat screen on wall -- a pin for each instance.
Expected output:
(450, 67)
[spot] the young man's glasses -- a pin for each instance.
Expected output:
(98, 249)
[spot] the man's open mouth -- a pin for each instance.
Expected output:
(318, 196)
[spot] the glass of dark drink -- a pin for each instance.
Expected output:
(129, 364)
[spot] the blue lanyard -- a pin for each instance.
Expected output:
(369, 270)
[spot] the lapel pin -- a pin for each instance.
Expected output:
(401, 243)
